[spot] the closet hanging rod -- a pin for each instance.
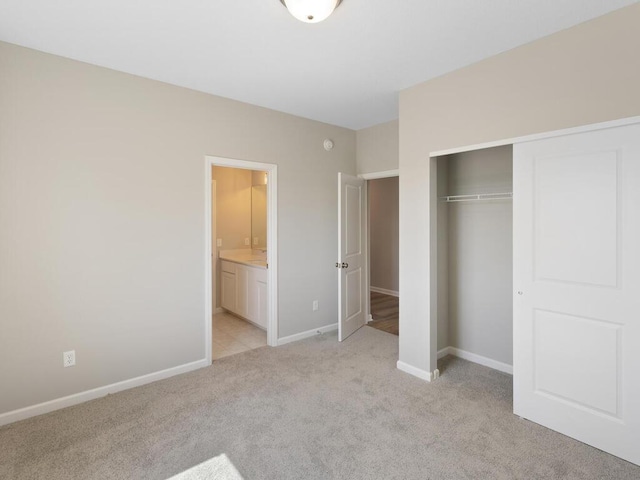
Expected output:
(478, 197)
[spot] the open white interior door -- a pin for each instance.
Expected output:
(351, 255)
(577, 287)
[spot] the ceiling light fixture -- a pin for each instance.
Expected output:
(311, 11)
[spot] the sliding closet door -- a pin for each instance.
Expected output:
(577, 287)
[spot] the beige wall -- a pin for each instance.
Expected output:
(102, 202)
(383, 233)
(583, 75)
(377, 148)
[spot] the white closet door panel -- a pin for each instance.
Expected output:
(568, 369)
(576, 215)
(577, 283)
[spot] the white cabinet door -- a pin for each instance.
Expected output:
(577, 283)
(258, 297)
(228, 291)
(261, 301)
(242, 290)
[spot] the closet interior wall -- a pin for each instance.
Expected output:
(475, 254)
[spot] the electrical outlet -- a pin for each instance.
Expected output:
(219, 242)
(246, 241)
(255, 240)
(314, 305)
(69, 358)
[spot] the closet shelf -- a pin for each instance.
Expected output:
(477, 197)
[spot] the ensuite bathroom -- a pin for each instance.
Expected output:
(239, 263)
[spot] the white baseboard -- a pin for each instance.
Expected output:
(385, 291)
(417, 372)
(307, 334)
(444, 352)
(479, 359)
(76, 398)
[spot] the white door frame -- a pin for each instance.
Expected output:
(214, 235)
(367, 260)
(272, 245)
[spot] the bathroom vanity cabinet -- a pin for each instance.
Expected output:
(243, 291)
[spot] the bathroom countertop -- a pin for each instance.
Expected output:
(251, 258)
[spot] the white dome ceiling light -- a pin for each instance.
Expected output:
(311, 11)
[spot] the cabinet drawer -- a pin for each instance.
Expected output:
(228, 267)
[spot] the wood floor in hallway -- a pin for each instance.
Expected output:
(385, 312)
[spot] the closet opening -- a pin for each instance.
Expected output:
(475, 257)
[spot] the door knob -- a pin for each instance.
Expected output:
(345, 265)
(337, 265)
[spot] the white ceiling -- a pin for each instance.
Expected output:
(346, 71)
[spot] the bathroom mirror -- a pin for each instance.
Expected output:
(259, 217)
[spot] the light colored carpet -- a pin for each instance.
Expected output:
(315, 409)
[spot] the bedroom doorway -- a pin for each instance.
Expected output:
(384, 270)
(382, 234)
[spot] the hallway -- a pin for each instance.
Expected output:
(384, 310)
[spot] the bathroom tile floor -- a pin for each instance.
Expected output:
(231, 335)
